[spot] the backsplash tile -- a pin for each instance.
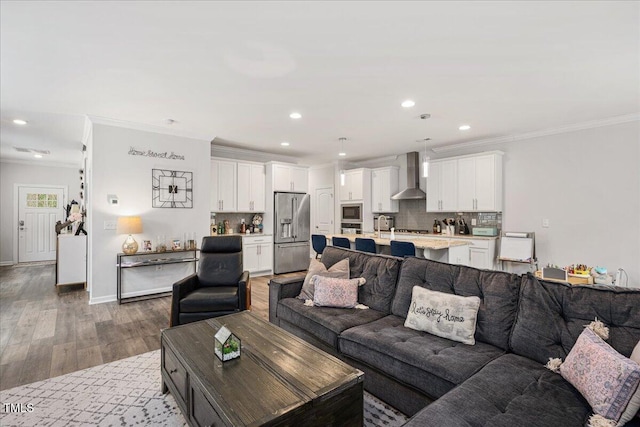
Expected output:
(412, 215)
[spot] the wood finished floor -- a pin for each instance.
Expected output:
(44, 334)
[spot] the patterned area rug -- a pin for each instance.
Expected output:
(121, 393)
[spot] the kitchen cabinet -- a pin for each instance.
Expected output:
(482, 253)
(354, 185)
(223, 186)
(442, 186)
(384, 184)
(290, 178)
(480, 183)
(257, 254)
(251, 187)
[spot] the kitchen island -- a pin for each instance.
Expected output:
(453, 251)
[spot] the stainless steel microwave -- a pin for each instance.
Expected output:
(352, 212)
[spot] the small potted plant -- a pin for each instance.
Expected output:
(227, 345)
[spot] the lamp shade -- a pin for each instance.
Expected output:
(129, 225)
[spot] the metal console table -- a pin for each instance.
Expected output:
(148, 259)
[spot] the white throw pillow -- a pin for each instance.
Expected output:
(445, 315)
(339, 270)
(634, 402)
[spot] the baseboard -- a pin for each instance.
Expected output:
(102, 300)
(6, 263)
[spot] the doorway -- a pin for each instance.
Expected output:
(38, 209)
(324, 211)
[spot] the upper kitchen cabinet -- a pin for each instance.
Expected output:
(480, 183)
(442, 186)
(251, 187)
(290, 178)
(356, 185)
(223, 185)
(384, 184)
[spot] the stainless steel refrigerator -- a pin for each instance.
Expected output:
(291, 232)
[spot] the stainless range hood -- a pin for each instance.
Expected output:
(413, 191)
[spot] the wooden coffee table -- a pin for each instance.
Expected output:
(279, 379)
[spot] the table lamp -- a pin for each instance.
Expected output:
(129, 225)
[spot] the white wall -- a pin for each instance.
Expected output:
(18, 173)
(113, 171)
(587, 183)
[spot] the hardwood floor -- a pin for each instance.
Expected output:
(45, 334)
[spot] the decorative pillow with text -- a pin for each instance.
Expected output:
(445, 315)
(338, 270)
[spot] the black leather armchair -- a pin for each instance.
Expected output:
(218, 288)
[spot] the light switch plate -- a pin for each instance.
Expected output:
(545, 223)
(110, 225)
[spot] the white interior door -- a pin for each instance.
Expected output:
(38, 210)
(324, 211)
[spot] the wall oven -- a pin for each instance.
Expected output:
(352, 212)
(351, 227)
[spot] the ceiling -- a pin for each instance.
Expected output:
(236, 70)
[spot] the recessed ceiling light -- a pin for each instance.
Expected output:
(20, 122)
(408, 103)
(284, 143)
(295, 115)
(37, 156)
(342, 154)
(464, 127)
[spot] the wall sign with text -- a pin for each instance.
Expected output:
(171, 189)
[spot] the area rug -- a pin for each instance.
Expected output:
(121, 393)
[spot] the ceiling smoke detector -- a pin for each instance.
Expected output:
(425, 116)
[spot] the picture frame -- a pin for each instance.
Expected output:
(146, 246)
(176, 245)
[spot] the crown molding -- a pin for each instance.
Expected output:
(540, 133)
(148, 128)
(48, 164)
(249, 155)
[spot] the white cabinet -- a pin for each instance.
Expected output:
(290, 178)
(251, 187)
(458, 255)
(71, 259)
(482, 253)
(223, 186)
(480, 183)
(384, 184)
(354, 185)
(257, 254)
(442, 186)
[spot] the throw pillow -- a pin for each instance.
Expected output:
(339, 270)
(333, 292)
(604, 377)
(445, 315)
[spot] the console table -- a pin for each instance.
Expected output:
(152, 259)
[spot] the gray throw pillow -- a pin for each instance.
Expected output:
(339, 270)
(445, 315)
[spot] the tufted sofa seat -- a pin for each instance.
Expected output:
(499, 381)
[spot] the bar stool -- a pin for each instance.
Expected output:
(365, 245)
(402, 249)
(318, 242)
(341, 242)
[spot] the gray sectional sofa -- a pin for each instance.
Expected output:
(499, 381)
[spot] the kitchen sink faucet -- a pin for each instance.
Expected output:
(385, 222)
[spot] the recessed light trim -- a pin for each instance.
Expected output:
(408, 103)
(37, 156)
(464, 127)
(295, 115)
(342, 154)
(20, 122)
(285, 144)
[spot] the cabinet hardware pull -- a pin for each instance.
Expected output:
(173, 371)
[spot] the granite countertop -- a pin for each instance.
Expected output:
(421, 243)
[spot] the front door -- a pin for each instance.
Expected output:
(324, 211)
(38, 210)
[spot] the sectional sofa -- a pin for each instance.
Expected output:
(499, 381)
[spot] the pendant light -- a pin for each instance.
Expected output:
(425, 163)
(342, 153)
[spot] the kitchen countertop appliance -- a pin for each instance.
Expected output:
(292, 232)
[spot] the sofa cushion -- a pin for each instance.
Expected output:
(431, 364)
(497, 290)
(552, 315)
(380, 271)
(340, 270)
(511, 391)
(333, 292)
(325, 323)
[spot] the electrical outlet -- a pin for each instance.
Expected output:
(110, 225)
(545, 223)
